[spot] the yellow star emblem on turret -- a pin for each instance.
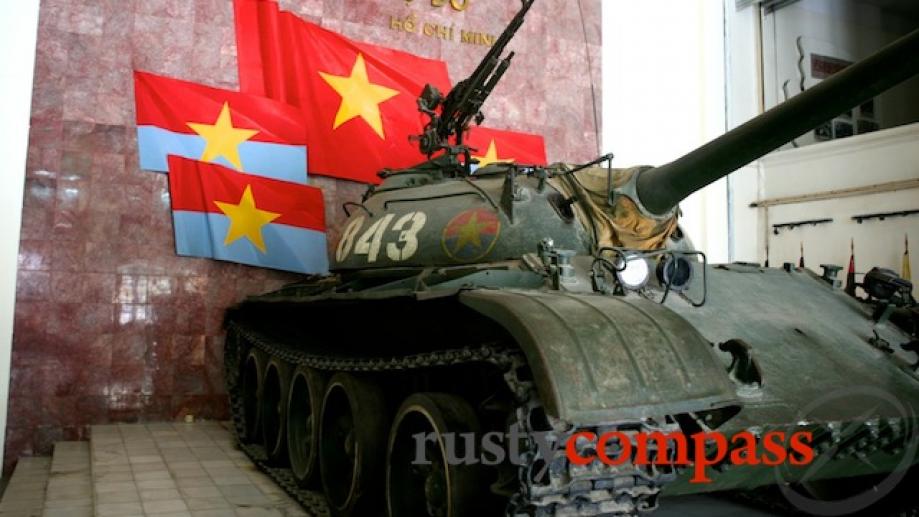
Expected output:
(246, 220)
(359, 97)
(470, 233)
(222, 139)
(491, 156)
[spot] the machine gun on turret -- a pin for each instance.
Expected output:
(463, 104)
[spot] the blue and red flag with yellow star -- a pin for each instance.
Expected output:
(219, 213)
(245, 132)
(358, 100)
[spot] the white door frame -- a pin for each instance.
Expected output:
(18, 33)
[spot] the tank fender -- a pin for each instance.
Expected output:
(600, 359)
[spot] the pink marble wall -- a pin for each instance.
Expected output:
(110, 325)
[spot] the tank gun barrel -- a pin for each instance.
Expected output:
(662, 188)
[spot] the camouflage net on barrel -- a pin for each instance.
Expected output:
(619, 225)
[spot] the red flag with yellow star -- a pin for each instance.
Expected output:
(498, 146)
(359, 100)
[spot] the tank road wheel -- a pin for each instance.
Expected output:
(436, 489)
(252, 376)
(303, 405)
(273, 410)
(352, 438)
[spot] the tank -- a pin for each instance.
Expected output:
(488, 331)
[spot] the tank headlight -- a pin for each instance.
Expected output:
(676, 271)
(634, 272)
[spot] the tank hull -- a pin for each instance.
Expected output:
(597, 362)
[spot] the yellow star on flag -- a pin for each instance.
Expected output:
(470, 233)
(246, 220)
(491, 156)
(359, 97)
(222, 139)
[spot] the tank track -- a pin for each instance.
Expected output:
(311, 500)
(596, 490)
(564, 501)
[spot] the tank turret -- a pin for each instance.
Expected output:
(630, 208)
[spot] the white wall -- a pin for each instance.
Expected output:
(881, 157)
(888, 155)
(663, 95)
(744, 97)
(844, 29)
(18, 29)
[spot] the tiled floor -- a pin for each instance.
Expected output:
(51, 487)
(179, 470)
(25, 494)
(166, 469)
(69, 492)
